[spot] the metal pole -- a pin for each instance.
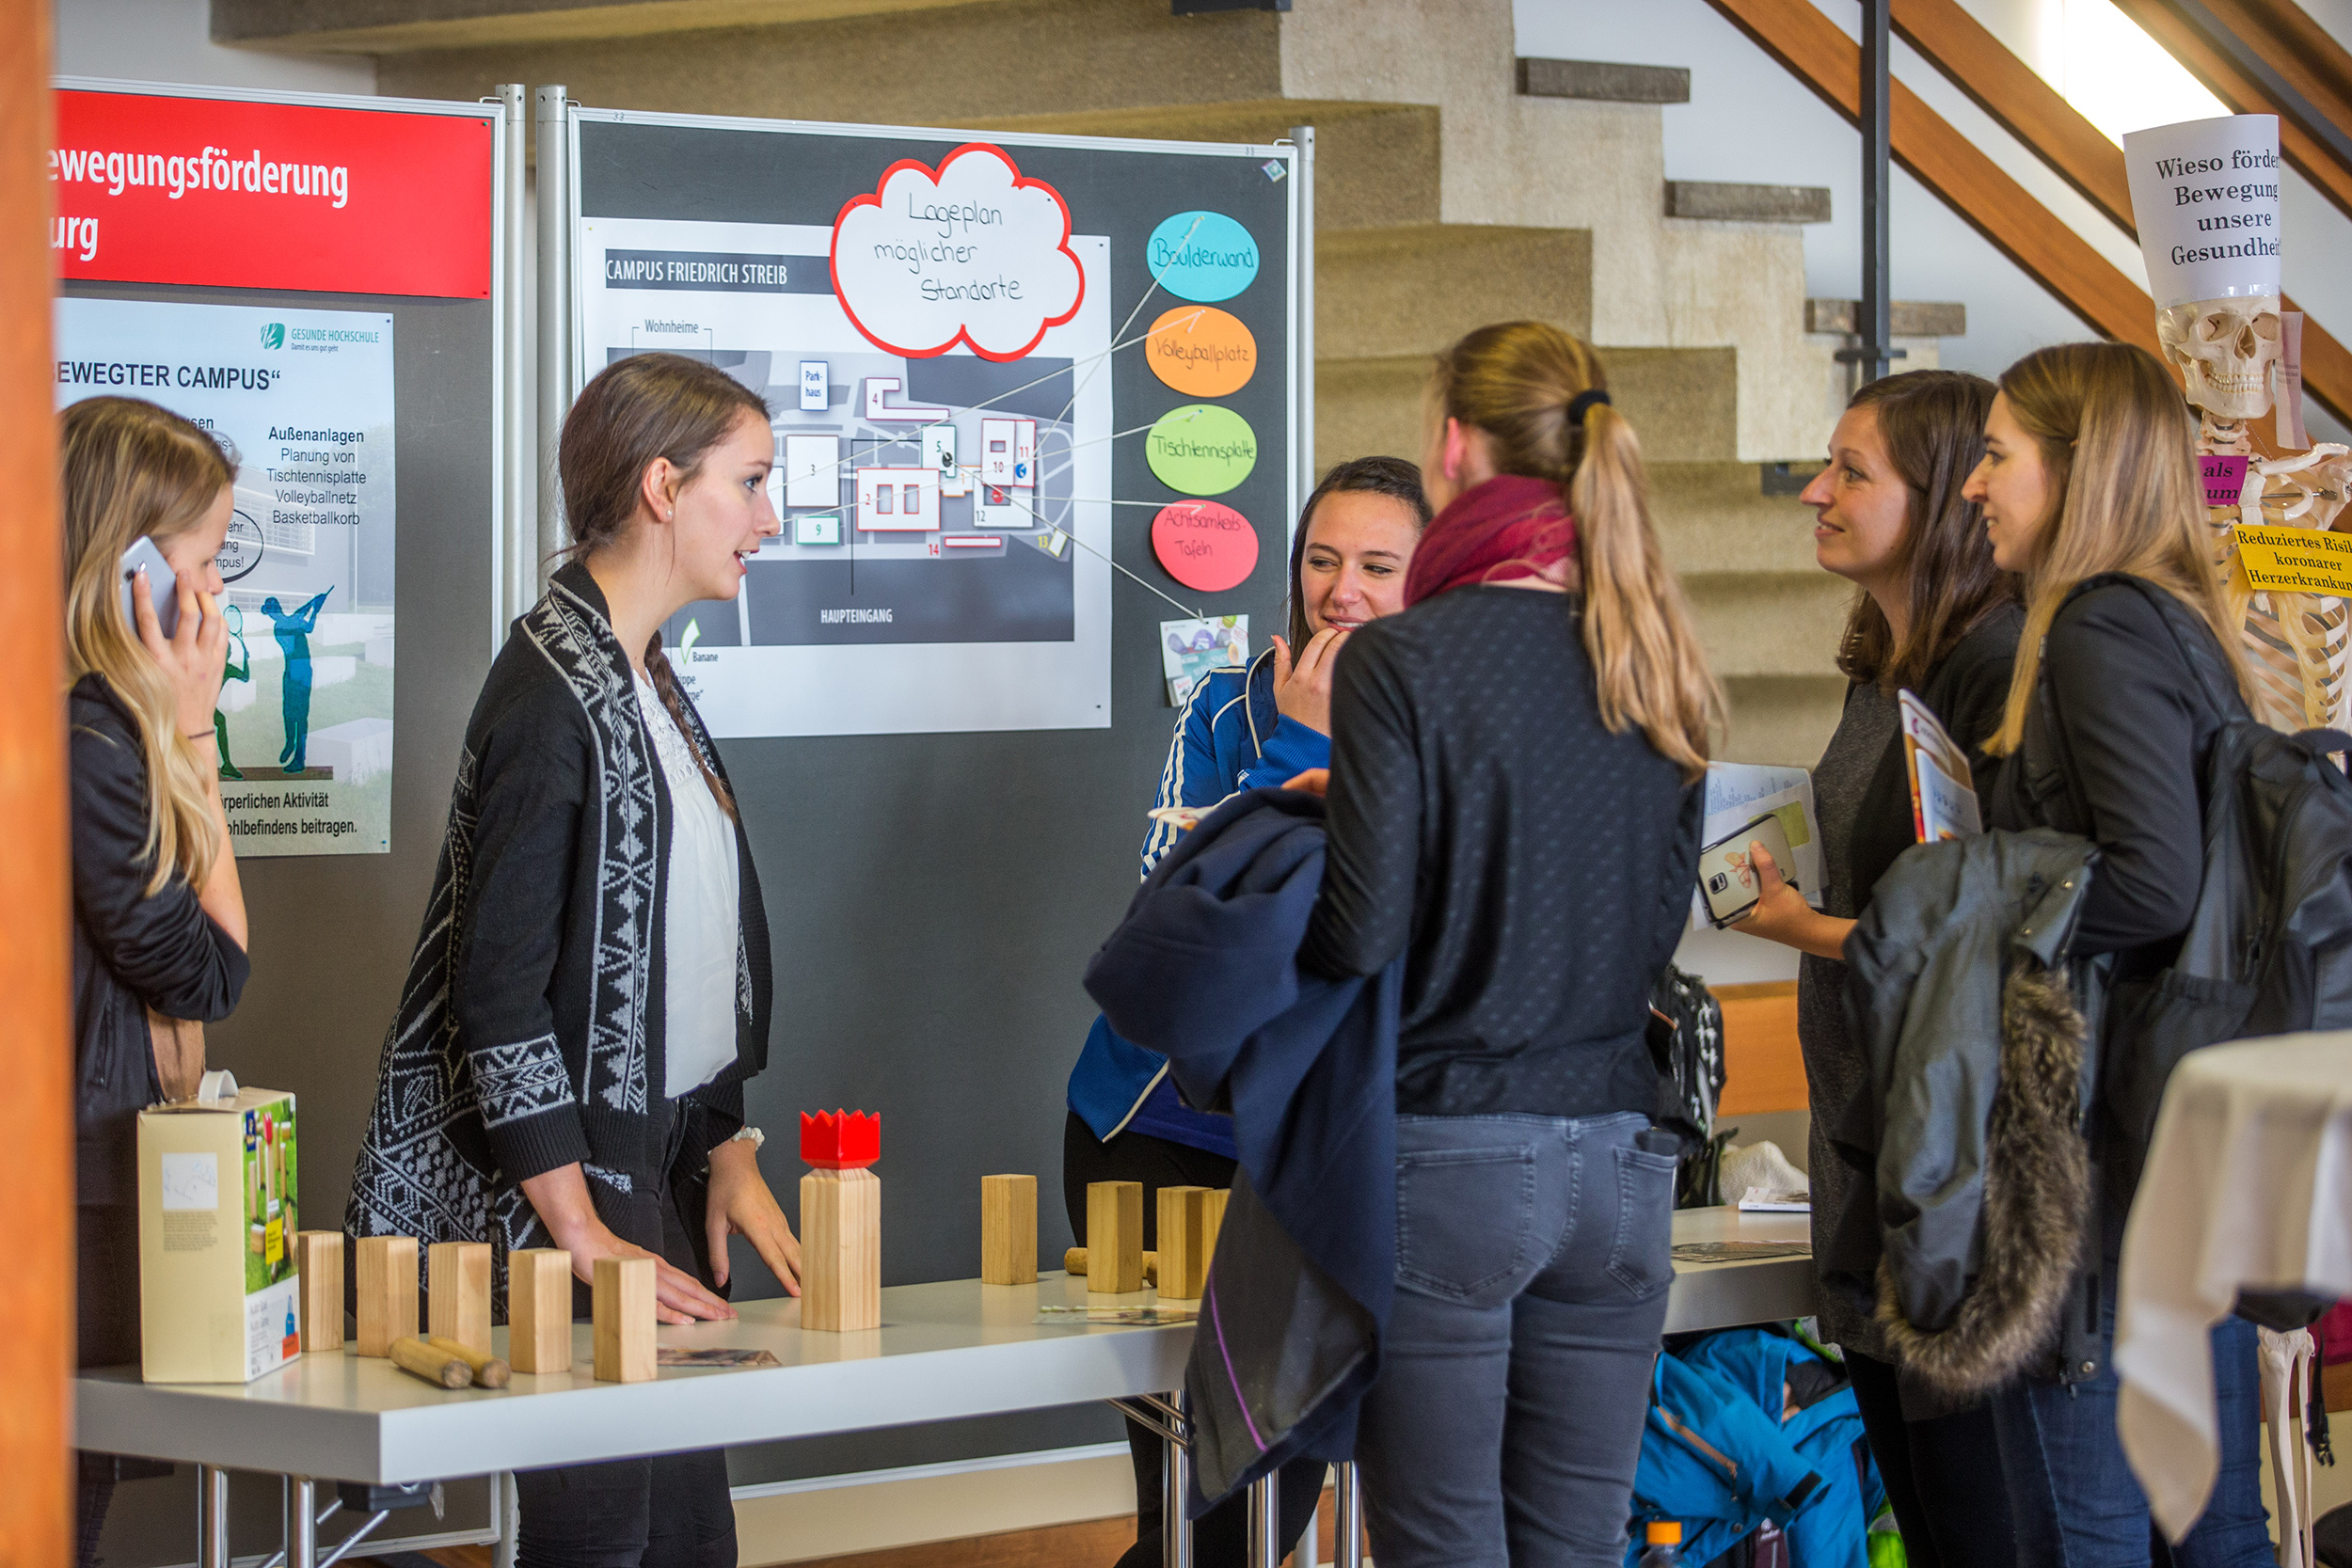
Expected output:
(302, 1525)
(212, 1517)
(1877, 322)
(1264, 1548)
(1347, 1519)
(1175, 1492)
(1303, 170)
(555, 316)
(517, 529)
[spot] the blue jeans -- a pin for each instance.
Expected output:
(1534, 1255)
(2059, 1442)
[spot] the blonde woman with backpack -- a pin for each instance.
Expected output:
(1514, 805)
(2089, 491)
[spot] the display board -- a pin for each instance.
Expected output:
(280, 215)
(979, 353)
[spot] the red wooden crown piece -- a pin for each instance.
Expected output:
(840, 1140)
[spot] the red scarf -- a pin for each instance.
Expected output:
(1506, 528)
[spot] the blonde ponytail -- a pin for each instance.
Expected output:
(1514, 382)
(132, 468)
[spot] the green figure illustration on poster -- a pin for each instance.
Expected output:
(237, 669)
(293, 632)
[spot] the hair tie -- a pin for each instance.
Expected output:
(1582, 401)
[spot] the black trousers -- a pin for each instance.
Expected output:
(1219, 1537)
(671, 1510)
(1943, 1477)
(106, 1329)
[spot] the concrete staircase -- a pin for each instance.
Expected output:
(1456, 186)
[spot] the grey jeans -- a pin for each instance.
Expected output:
(1534, 1255)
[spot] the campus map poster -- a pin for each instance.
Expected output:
(936, 362)
(303, 399)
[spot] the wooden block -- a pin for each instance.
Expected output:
(1008, 1229)
(319, 1260)
(412, 1355)
(841, 1250)
(623, 1298)
(1184, 1227)
(1073, 1260)
(386, 1268)
(1211, 1224)
(1114, 1237)
(457, 1293)
(539, 1310)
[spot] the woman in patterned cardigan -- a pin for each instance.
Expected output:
(591, 987)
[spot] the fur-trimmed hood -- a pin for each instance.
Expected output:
(1959, 989)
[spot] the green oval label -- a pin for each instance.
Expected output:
(1201, 449)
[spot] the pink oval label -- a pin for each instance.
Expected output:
(1204, 545)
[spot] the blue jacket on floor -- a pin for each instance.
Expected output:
(1717, 1456)
(1204, 971)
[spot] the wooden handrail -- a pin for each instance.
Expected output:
(1813, 49)
(2243, 93)
(2028, 108)
(36, 1012)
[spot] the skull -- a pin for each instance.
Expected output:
(2226, 349)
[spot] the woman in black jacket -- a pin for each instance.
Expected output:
(159, 926)
(2090, 473)
(1514, 807)
(590, 988)
(1934, 615)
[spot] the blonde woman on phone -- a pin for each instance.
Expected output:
(159, 925)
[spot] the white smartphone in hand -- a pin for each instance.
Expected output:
(161, 582)
(1725, 875)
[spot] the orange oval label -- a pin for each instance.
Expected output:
(1201, 351)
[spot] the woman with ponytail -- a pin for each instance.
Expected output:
(2090, 492)
(159, 926)
(590, 989)
(1514, 805)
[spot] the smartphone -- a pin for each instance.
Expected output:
(160, 581)
(1725, 875)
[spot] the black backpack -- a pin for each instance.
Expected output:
(2268, 950)
(1686, 1045)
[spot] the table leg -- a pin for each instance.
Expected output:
(302, 1525)
(1264, 1547)
(212, 1517)
(507, 1505)
(1347, 1519)
(1176, 1491)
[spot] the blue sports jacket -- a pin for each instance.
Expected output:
(1229, 737)
(1717, 1456)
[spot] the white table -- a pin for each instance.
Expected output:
(953, 1349)
(2248, 1185)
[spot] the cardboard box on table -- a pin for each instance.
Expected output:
(219, 1205)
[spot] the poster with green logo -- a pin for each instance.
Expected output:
(302, 402)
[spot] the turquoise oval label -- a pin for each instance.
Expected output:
(1202, 257)
(1201, 449)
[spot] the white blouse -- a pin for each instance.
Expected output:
(703, 926)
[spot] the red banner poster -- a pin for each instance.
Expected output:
(221, 193)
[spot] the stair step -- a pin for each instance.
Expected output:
(1781, 719)
(1683, 402)
(1375, 164)
(1386, 291)
(1907, 318)
(1729, 202)
(1603, 81)
(1758, 624)
(1715, 518)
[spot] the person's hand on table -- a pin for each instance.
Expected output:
(742, 1205)
(1302, 689)
(560, 1197)
(1315, 780)
(1781, 914)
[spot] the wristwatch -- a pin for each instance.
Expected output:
(750, 1136)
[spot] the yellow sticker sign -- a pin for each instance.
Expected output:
(2293, 560)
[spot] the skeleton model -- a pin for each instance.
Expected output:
(2299, 644)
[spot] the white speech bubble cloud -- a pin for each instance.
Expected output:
(973, 253)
